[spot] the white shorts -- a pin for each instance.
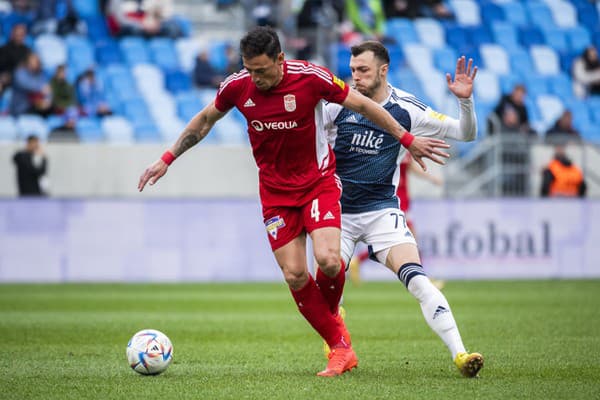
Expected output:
(380, 230)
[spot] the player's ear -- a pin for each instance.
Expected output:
(280, 58)
(384, 69)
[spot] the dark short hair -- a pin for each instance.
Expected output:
(377, 48)
(32, 137)
(260, 40)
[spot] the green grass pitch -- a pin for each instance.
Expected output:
(540, 340)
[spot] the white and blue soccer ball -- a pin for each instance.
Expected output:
(149, 352)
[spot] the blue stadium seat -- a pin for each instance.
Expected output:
(134, 50)
(401, 29)
(556, 38)
(564, 13)
(396, 57)
(120, 81)
(545, 60)
(52, 51)
(97, 28)
(561, 86)
(178, 81)
(491, 12)
(444, 59)
(588, 15)
(530, 35)
(32, 125)
(86, 8)
(80, 54)
(581, 113)
(88, 129)
(342, 64)
(188, 104)
(8, 129)
(149, 78)
(54, 121)
(136, 111)
(418, 57)
(12, 19)
(505, 34)
(163, 54)
(187, 50)
(495, 58)
(520, 62)
(539, 14)
(536, 85)
(408, 81)
(431, 32)
(107, 52)
(458, 37)
(551, 108)
(578, 38)
(479, 35)
(487, 90)
(466, 12)
(515, 13)
(508, 82)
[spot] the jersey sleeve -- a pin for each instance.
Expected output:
(329, 86)
(224, 101)
(330, 113)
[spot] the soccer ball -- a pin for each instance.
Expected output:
(149, 352)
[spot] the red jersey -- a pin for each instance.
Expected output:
(402, 191)
(285, 128)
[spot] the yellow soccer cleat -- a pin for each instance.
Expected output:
(354, 268)
(469, 364)
(340, 320)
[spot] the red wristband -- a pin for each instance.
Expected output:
(406, 139)
(168, 157)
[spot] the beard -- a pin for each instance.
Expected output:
(370, 90)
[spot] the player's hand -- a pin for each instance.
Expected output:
(152, 174)
(424, 147)
(462, 86)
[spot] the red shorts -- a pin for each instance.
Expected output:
(321, 210)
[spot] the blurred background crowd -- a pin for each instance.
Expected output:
(128, 72)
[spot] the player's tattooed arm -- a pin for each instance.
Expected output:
(188, 139)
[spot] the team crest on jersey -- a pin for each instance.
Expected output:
(289, 102)
(273, 225)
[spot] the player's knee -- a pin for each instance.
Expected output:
(329, 262)
(295, 279)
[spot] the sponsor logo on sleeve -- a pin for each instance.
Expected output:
(339, 82)
(273, 225)
(437, 115)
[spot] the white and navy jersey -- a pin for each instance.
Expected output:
(368, 157)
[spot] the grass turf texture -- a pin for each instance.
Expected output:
(540, 339)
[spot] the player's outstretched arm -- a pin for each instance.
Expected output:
(419, 147)
(194, 132)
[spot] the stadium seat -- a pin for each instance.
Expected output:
(9, 132)
(520, 62)
(491, 12)
(396, 57)
(545, 60)
(88, 129)
(444, 59)
(530, 35)
(495, 59)
(435, 87)
(508, 82)
(146, 132)
(587, 15)
(402, 30)
(578, 38)
(86, 8)
(556, 39)
(170, 128)
(163, 54)
(551, 108)
(458, 37)
(218, 56)
(187, 50)
(430, 32)
(107, 52)
(479, 35)
(408, 81)
(80, 54)
(561, 86)
(29, 124)
(515, 13)
(188, 104)
(97, 28)
(466, 12)
(178, 81)
(52, 51)
(161, 104)
(536, 85)
(136, 111)
(54, 121)
(229, 132)
(563, 13)
(149, 78)
(539, 14)
(487, 90)
(134, 50)
(505, 34)
(117, 130)
(419, 58)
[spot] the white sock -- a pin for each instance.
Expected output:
(437, 313)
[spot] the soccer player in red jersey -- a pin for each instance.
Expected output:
(281, 101)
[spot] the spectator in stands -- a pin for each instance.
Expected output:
(586, 73)
(63, 93)
(31, 166)
(416, 8)
(13, 53)
(90, 94)
(367, 17)
(234, 61)
(312, 15)
(57, 16)
(31, 92)
(561, 178)
(142, 18)
(204, 73)
(563, 129)
(66, 131)
(510, 115)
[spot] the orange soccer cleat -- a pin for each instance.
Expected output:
(339, 318)
(341, 359)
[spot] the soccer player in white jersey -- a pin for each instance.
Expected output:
(368, 165)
